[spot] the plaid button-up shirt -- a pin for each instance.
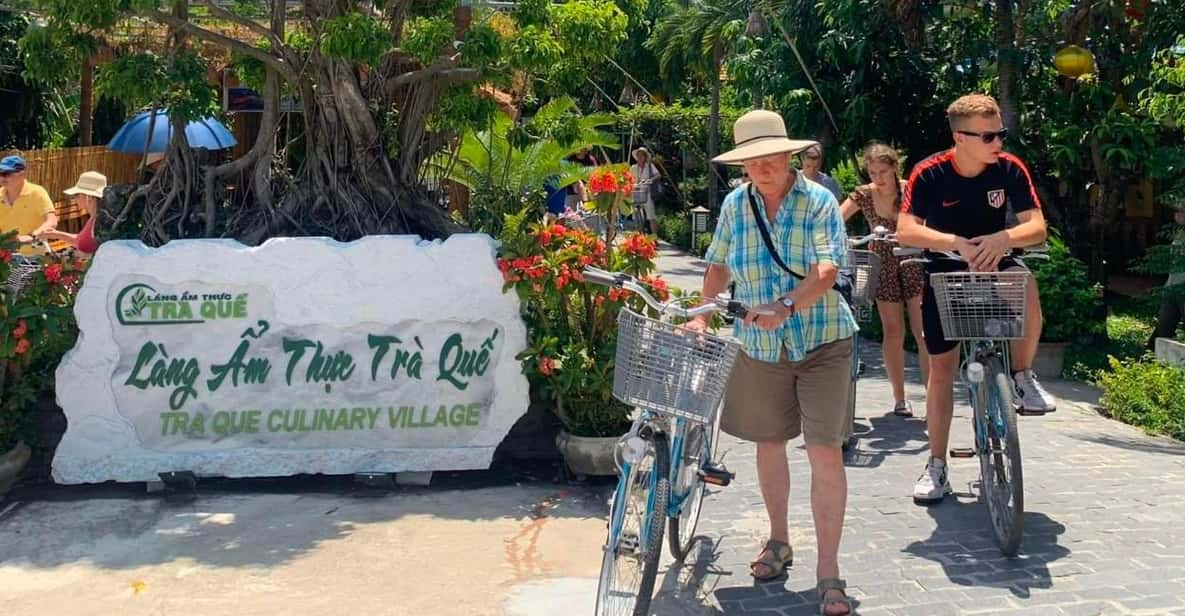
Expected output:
(808, 230)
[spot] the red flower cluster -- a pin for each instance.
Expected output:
(661, 291)
(546, 234)
(18, 333)
(568, 274)
(5, 256)
(640, 245)
(605, 180)
(522, 268)
(53, 273)
(547, 366)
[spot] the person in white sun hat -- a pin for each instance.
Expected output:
(86, 193)
(781, 238)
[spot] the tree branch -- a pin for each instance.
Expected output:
(444, 68)
(255, 27)
(233, 44)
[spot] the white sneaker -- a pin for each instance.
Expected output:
(1031, 395)
(933, 485)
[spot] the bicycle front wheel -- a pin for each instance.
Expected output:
(999, 462)
(687, 491)
(636, 520)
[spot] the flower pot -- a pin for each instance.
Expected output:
(11, 464)
(1050, 359)
(588, 455)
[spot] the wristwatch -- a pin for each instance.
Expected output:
(789, 305)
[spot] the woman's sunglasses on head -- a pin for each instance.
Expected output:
(986, 136)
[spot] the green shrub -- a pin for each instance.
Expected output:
(675, 229)
(1147, 394)
(1068, 299)
(702, 241)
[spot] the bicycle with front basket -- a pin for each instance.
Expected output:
(676, 378)
(985, 310)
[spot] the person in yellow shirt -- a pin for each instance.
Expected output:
(24, 206)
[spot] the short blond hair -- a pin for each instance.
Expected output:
(972, 106)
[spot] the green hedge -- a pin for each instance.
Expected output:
(1147, 394)
(676, 229)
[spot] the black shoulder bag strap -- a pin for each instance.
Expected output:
(842, 283)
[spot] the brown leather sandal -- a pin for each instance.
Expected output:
(828, 584)
(776, 556)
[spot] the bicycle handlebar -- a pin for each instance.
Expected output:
(879, 234)
(625, 281)
(922, 255)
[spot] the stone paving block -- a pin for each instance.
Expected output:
(1088, 539)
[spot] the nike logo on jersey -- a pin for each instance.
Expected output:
(946, 203)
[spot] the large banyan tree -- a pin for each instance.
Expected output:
(380, 87)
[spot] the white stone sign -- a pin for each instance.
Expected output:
(303, 355)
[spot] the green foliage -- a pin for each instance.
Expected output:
(532, 12)
(427, 37)
(511, 162)
(847, 175)
(36, 327)
(572, 324)
(432, 8)
(1128, 327)
(1146, 394)
(535, 48)
(482, 47)
(1068, 300)
(589, 30)
(177, 83)
(357, 38)
(54, 55)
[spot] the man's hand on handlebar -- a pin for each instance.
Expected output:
(698, 324)
(767, 316)
(992, 248)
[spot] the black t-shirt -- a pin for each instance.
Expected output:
(968, 207)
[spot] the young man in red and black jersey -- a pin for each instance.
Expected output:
(958, 201)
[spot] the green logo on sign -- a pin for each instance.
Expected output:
(140, 304)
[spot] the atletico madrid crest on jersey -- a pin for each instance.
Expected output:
(996, 198)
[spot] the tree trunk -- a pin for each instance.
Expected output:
(714, 127)
(86, 103)
(1006, 61)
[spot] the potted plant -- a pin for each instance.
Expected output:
(572, 327)
(35, 319)
(1068, 305)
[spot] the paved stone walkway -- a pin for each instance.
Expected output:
(1104, 522)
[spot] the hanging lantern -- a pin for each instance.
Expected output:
(1136, 9)
(1073, 61)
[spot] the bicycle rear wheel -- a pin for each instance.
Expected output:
(1000, 462)
(636, 520)
(688, 489)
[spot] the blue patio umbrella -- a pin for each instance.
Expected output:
(207, 133)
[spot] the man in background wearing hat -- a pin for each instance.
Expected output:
(24, 206)
(797, 340)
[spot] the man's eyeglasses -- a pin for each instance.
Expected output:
(987, 136)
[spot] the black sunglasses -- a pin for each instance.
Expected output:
(988, 137)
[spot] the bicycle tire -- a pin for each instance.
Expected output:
(635, 600)
(1000, 471)
(681, 531)
(849, 441)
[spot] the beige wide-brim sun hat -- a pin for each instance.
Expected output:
(90, 183)
(760, 133)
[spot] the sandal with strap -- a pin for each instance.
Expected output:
(776, 556)
(829, 584)
(903, 409)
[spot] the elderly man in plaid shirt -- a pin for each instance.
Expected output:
(781, 239)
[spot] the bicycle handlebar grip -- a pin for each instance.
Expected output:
(736, 309)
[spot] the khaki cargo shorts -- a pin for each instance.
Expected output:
(777, 402)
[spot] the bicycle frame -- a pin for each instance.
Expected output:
(976, 355)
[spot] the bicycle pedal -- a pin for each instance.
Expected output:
(962, 452)
(1027, 413)
(716, 475)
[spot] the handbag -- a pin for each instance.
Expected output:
(844, 281)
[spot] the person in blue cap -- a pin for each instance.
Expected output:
(24, 206)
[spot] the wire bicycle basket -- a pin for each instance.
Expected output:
(663, 368)
(981, 305)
